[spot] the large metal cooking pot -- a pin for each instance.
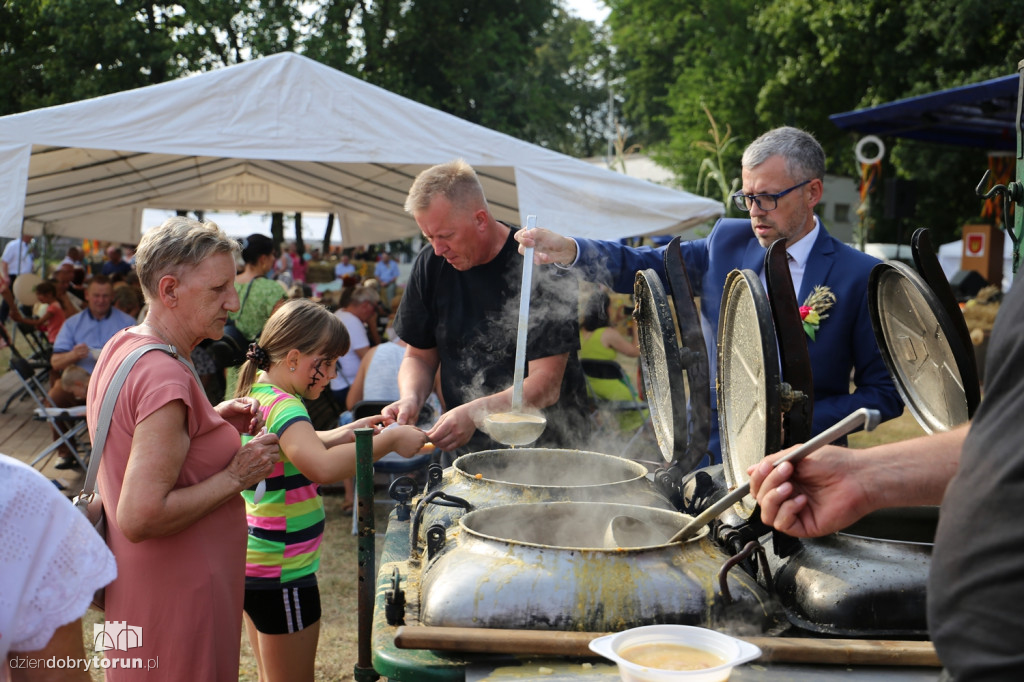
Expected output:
(544, 566)
(527, 475)
(870, 579)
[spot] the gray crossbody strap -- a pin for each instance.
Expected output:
(107, 408)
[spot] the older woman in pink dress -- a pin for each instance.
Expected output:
(173, 468)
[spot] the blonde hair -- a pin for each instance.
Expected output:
(294, 326)
(456, 181)
(73, 374)
(178, 243)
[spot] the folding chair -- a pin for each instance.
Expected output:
(37, 341)
(609, 410)
(40, 368)
(45, 410)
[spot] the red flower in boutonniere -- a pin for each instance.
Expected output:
(813, 311)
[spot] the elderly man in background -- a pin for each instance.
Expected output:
(79, 342)
(783, 180)
(459, 313)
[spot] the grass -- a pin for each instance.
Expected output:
(336, 656)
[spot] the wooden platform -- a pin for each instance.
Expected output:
(22, 436)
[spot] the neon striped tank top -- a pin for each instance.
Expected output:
(287, 526)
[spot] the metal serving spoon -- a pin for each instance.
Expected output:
(869, 419)
(627, 531)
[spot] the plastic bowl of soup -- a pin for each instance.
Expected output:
(674, 653)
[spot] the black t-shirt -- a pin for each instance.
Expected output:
(472, 317)
(976, 586)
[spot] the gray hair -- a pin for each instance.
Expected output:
(456, 181)
(364, 294)
(178, 243)
(805, 159)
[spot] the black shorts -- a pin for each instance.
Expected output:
(283, 610)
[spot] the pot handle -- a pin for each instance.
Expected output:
(748, 549)
(431, 498)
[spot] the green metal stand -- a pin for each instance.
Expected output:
(364, 671)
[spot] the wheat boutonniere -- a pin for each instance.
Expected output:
(815, 308)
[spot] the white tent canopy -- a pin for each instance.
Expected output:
(286, 133)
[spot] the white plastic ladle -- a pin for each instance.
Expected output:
(516, 427)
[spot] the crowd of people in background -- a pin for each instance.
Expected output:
(89, 306)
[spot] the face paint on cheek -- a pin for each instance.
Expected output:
(317, 373)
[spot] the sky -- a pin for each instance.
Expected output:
(594, 10)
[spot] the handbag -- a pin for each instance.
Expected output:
(230, 349)
(95, 513)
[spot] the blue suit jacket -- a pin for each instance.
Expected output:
(844, 342)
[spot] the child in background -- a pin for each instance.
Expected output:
(294, 359)
(52, 320)
(75, 381)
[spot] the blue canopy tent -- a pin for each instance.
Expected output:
(981, 115)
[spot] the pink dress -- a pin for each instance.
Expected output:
(184, 591)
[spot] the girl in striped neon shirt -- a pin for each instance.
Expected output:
(293, 359)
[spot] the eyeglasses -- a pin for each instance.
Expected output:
(765, 202)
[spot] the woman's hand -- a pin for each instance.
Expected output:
(242, 413)
(255, 460)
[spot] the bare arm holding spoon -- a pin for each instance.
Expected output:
(834, 487)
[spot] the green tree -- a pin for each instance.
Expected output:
(57, 51)
(523, 67)
(213, 34)
(757, 64)
(678, 57)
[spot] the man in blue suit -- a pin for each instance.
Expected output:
(783, 174)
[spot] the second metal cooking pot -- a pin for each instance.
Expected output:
(544, 566)
(527, 475)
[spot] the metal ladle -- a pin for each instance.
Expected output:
(516, 427)
(869, 419)
(621, 527)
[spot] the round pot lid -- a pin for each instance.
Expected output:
(921, 348)
(662, 368)
(749, 383)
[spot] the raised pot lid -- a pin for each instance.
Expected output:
(922, 348)
(748, 381)
(662, 368)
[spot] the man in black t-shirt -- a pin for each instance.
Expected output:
(460, 312)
